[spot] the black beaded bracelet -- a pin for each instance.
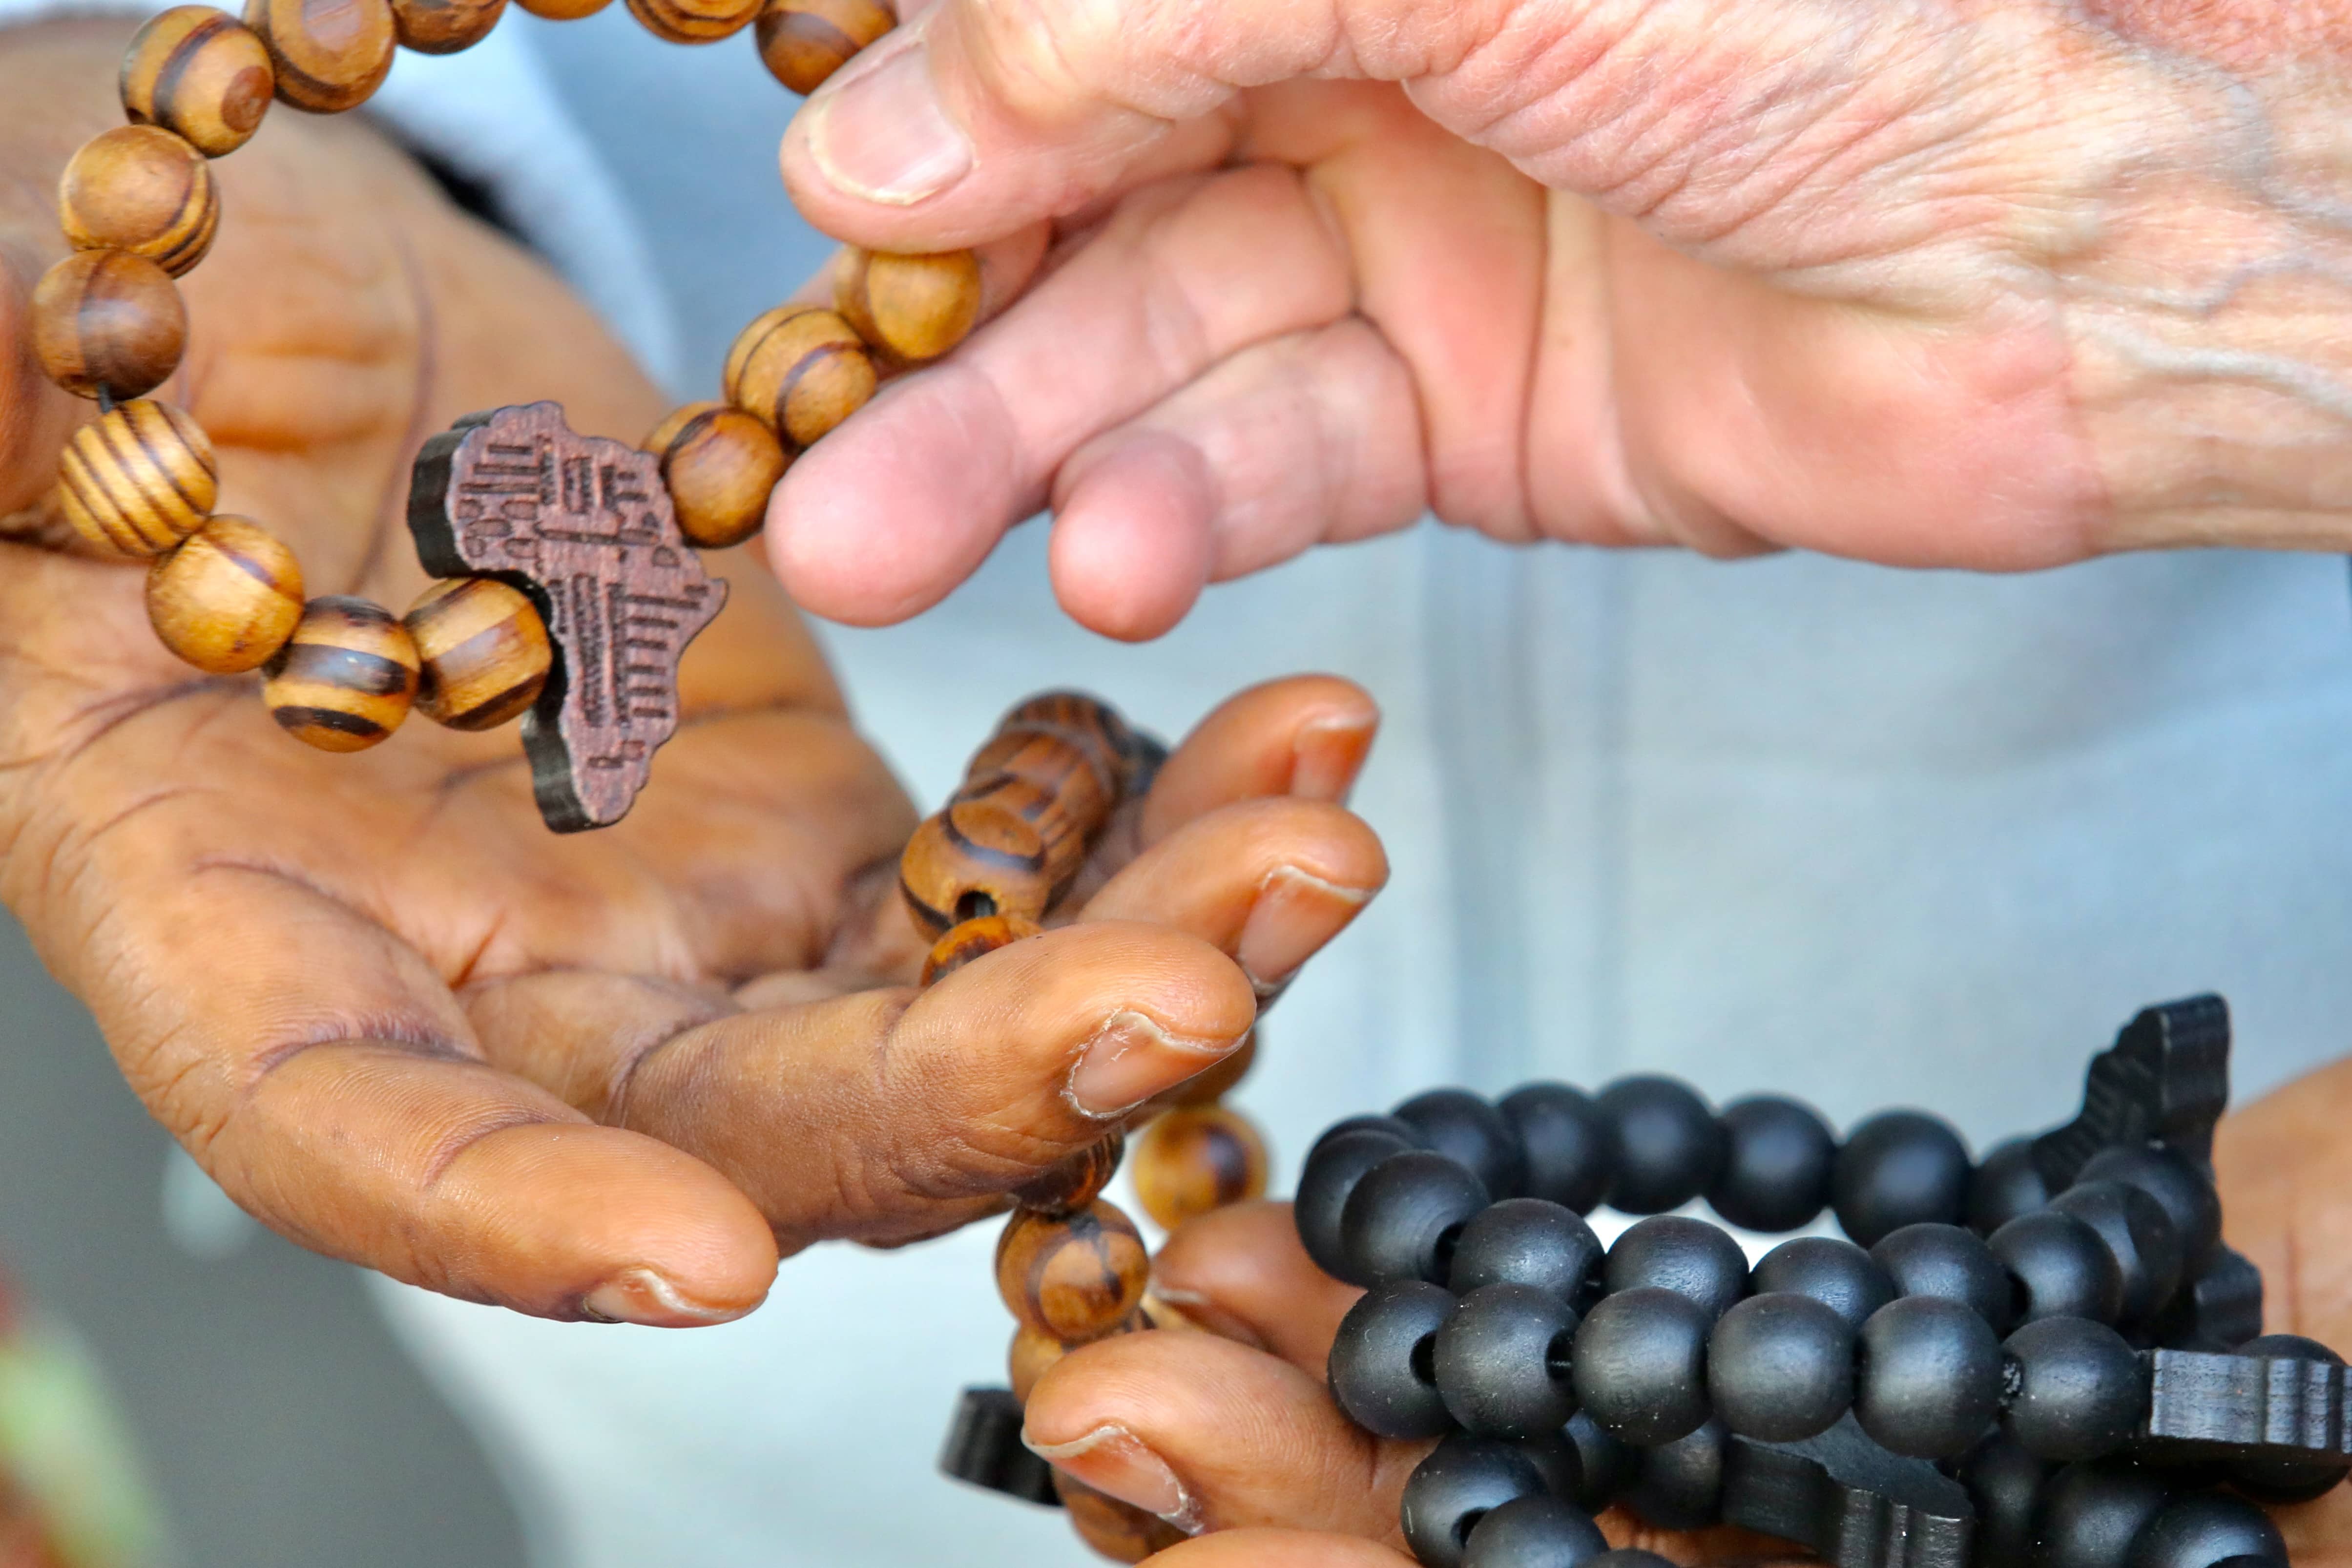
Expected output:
(1808, 1397)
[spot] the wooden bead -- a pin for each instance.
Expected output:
(444, 26)
(1083, 721)
(562, 10)
(1189, 1162)
(1208, 1088)
(1072, 1183)
(1081, 790)
(142, 189)
(801, 369)
(228, 598)
(329, 55)
(1077, 1278)
(974, 939)
(693, 21)
(1027, 1358)
(107, 321)
(199, 73)
(138, 479)
(804, 41)
(481, 649)
(1004, 850)
(908, 307)
(346, 679)
(719, 464)
(1119, 1531)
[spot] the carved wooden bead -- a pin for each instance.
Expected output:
(142, 189)
(329, 55)
(444, 26)
(909, 308)
(345, 679)
(974, 939)
(718, 465)
(481, 649)
(693, 21)
(108, 321)
(138, 479)
(1072, 1183)
(804, 41)
(200, 73)
(800, 368)
(228, 598)
(562, 10)
(1189, 1162)
(1077, 1278)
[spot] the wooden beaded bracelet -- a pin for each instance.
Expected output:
(570, 593)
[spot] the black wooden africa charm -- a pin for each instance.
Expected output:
(584, 525)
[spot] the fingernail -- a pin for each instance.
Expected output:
(883, 135)
(1327, 755)
(1112, 1459)
(641, 1296)
(1295, 912)
(1130, 1058)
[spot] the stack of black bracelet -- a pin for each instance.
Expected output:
(1858, 1395)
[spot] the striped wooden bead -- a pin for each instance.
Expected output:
(694, 21)
(718, 465)
(974, 939)
(1082, 719)
(228, 598)
(562, 10)
(1190, 1161)
(329, 55)
(1073, 1182)
(908, 309)
(1003, 850)
(444, 26)
(802, 42)
(142, 189)
(345, 681)
(1077, 1277)
(201, 74)
(801, 370)
(482, 652)
(107, 321)
(138, 479)
(1083, 792)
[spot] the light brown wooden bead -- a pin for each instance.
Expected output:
(142, 189)
(1083, 721)
(801, 370)
(1077, 1276)
(718, 465)
(562, 10)
(1208, 1088)
(1119, 1531)
(138, 479)
(1189, 1162)
(1074, 1181)
(804, 41)
(1026, 1359)
(974, 939)
(694, 21)
(909, 309)
(1002, 848)
(199, 73)
(444, 26)
(329, 55)
(345, 681)
(482, 652)
(108, 321)
(228, 598)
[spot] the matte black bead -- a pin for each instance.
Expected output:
(2077, 1389)
(1669, 1147)
(1933, 1259)
(1639, 1364)
(2006, 1183)
(2138, 1233)
(1781, 1367)
(2184, 1192)
(1535, 1532)
(2005, 1482)
(2285, 1481)
(2060, 1268)
(1502, 1362)
(1527, 1241)
(1332, 1171)
(1899, 1168)
(984, 1449)
(1384, 1366)
(1604, 1465)
(2091, 1512)
(1777, 1156)
(1403, 1219)
(1630, 1557)
(1566, 1140)
(2204, 1529)
(1928, 1379)
(1831, 1270)
(1469, 1131)
(1401, 1132)
(1679, 1484)
(1464, 1480)
(1556, 1456)
(1678, 1253)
